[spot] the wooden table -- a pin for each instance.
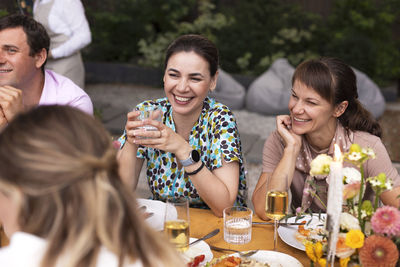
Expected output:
(204, 221)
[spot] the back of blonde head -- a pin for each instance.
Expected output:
(63, 163)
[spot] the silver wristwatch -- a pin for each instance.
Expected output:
(193, 158)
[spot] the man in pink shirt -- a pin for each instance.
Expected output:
(24, 83)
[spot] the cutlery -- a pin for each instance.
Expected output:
(207, 236)
(280, 224)
(241, 253)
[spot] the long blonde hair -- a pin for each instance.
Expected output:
(63, 163)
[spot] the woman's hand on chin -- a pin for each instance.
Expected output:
(284, 127)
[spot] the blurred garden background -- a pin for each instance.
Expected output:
(250, 34)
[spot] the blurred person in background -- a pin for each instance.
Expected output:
(62, 202)
(24, 82)
(68, 28)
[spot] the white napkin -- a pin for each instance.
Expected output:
(156, 221)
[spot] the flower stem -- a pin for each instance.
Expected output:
(360, 196)
(315, 195)
(377, 193)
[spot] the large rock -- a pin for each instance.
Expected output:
(369, 94)
(228, 91)
(269, 94)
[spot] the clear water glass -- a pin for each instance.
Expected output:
(237, 224)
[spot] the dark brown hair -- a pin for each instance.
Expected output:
(36, 34)
(198, 44)
(336, 82)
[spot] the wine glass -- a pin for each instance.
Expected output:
(176, 222)
(276, 203)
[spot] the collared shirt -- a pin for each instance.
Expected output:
(67, 17)
(214, 135)
(59, 90)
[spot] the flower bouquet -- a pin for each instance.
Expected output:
(369, 234)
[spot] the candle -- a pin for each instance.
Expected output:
(335, 201)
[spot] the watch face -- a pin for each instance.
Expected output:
(195, 156)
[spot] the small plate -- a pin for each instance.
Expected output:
(198, 249)
(288, 232)
(274, 259)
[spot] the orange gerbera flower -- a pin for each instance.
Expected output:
(378, 251)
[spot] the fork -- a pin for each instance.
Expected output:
(244, 254)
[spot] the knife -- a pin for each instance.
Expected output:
(209, 235)
(281, 223)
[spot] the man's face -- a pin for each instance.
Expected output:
(17, 67)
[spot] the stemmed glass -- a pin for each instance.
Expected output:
(276, 204)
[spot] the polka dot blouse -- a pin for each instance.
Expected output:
(215, 136)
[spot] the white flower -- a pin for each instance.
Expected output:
(354, 156)
(375, 182)
(369, 152)
(351, 175)
(320, 165)
(348, 222)
(388, 185)
(363, 214)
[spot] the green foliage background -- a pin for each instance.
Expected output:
(250, 34)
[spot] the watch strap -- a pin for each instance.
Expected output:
(193, 158)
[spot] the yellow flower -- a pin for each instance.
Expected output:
(315, 252)
(322, 262)
(354, 239)
(318, 250)
(344, 261)
(355, 148)
(310, 251)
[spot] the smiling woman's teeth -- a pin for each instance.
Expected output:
(183, 99)
(5, 70)
(297, 119)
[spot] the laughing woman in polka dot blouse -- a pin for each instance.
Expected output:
(195, 151)
(324, 110)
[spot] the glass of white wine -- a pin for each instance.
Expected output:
(176, 222)
(276, 204)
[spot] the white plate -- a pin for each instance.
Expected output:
(288, 233)
(156, 221)
(274, 259)
(198, 249)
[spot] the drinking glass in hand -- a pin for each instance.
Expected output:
(276, 205)
(176, 222)
(150, 112)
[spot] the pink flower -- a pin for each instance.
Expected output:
(386, 220)
(298, 211)
(351, 190)
(116, 144)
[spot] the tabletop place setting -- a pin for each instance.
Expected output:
(239, 238)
